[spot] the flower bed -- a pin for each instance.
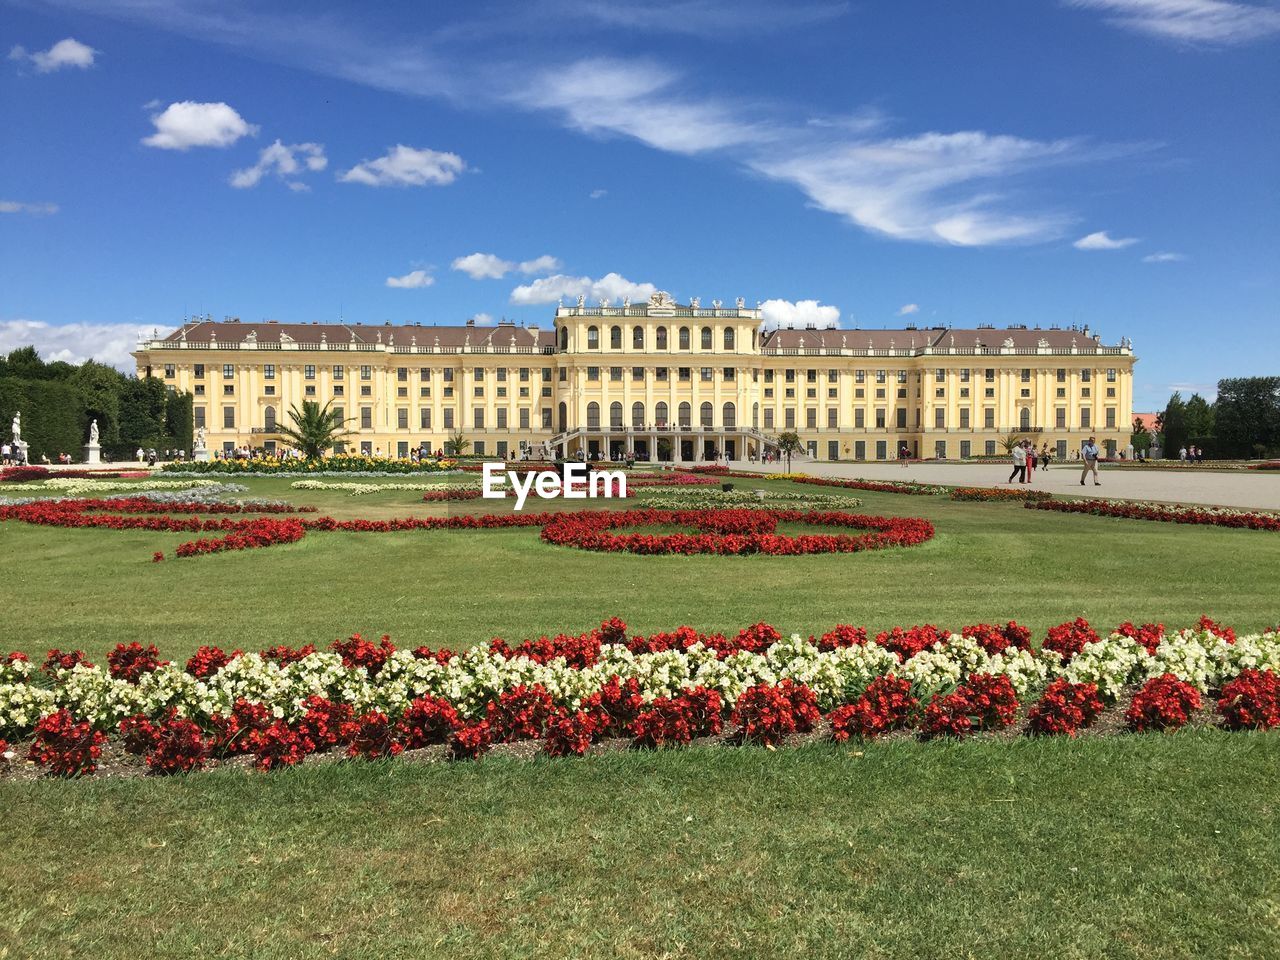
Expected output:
(999, 494)
(79, 487)
(345, 463)
(877, 486)
(363, 489)
(727, 532)
(373, 700)
(1164, 512)
(675, 499)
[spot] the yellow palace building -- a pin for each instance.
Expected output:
(657, 380)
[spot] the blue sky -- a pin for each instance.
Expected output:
(1110, 162)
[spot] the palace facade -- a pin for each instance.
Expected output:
(660, 381)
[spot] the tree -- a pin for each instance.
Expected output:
(789, 443)
(1173, 426)
(1141, 439)
(1247, 415)
(1199, 418)
(1010, 440)
(457, 444)
(315, 429)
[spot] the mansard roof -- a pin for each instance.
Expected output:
(339, 334)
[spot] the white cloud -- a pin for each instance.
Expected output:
(484, 320)
(597, 194)
(1191, 21)
(108, 343)
(188, 124)
(1104, 241)
(612, 287)
(284, 161)
(65, 53)
(38, 209)
(924, 187)
(908, 308)
(407, 167)
(414, 280)
(489, 266)
(784, 313)
(1164, 256)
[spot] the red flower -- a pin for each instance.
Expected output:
(905, 644)
(1251, 701)
(569, 734)
(886, 705)
(615, 706)
(69, 748)
(237, 732)
(428, 720)
(995, 639)
(358, 652)
(1168, 514)
(278, 745)
(1065, 707)
(139, 734)
(767, 714)
(131, 663)
(672, 721)
(1163, 703)
(1068, 639)
(325, 724)
(57, 660)
(947, 716)
(1217, 629)
(1149, 634)
(207, 661)
(157, 557)
(470, 741)
(373, 737)
(520, 713)
(180, 748)
(842, 635)
(286, 655)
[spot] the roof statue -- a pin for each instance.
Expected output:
(695, 302)
(626, 302)
(741, 303)
(1008, 342)
(1042, 342)
(604, 301)
(661, 298)
(582, 300)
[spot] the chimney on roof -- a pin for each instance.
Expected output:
(471, 322)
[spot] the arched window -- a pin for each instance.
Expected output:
(269, 418)
(706, 413)
(637, 338)
(615, 338)
(706, 338)
(662, 338)
(729, 417)
(660, 414)
(684, 338)
(755, 416)
(564, 417)
(1025, 421)
(686, 412)
(593, 338)
(728, 338)
(637, 416)
(593, 416)
(615, 415)
(564, 338)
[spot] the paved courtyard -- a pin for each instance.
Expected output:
(1216, 487)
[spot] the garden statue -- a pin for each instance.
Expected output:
(17, 427)
(93, 433)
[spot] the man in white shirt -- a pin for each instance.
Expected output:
(1089, 454)
(1019, 464)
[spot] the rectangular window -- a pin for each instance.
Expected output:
(902, 376)
(706, 374)
(402, 418)
(309, 371)
(338, 391)
(269, 371)
(228, 371)
(768, 418)
(879, 418)
(308, 391)
(1062, 374)
(940, 449)
(502, 418)
(860, 418)
(402, 374)
(964, 418)
(1060, 418)
(965, 448)
(593, 373)
(939, 418)
(880, 378)
(340, 415)
(964, 375)
(168, 371)
(479, 374)
(502, 374)
(448, 374)
(424, 418)
(366, 373)
(198, 371)
(833, 418)
(685, 374)
(546, 419)
(1086, 376)
(228, 418)
(637, 373)
(1111, 375)
(366, 391)
(1026, 374)
(833, 449)
(989, 448)
(524, 418)
(859, 376)
(859, 449)
(615, 374)
(990, 375)
(901, 414)
(524, 375)
(939, 375)
(199, 389)
(882, 449)
(768, 376)
(197, 414)
(1111, 418)
(424, 373)
(448, 418)
(730, 373)
(1084, 418)
(228, 389)
(366, 418)
(789, 418)
(811, 418)
(337, 371)
(989, 418)
(477, 417)
(479, 446)
(502, 450)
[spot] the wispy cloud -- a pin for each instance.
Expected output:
(488, 266)
(1103, 241)
(908, 308)
(65, 53)
(414, 280)
(612, 286)
(1216, 22)
(597, 193)
(181, 126)
(285, 161)
(800, 313)
(405, 166)
(108, 343)
(36, 209)
(1164, 256)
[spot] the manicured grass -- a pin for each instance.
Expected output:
(1144, 847)
(1154, 846)
(92, 589)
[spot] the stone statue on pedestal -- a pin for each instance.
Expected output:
(93, 433)
(17, 428)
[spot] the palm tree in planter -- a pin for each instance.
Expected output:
(456, 445)
(315, 429)
(789, 443)
(1010, 440)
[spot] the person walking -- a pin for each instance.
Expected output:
(1089, 455)
(1031, 461)
(1045, 457)
(903, 455)
(1019, 464)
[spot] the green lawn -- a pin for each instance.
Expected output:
(1132, 846)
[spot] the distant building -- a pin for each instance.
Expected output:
(659, 380)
